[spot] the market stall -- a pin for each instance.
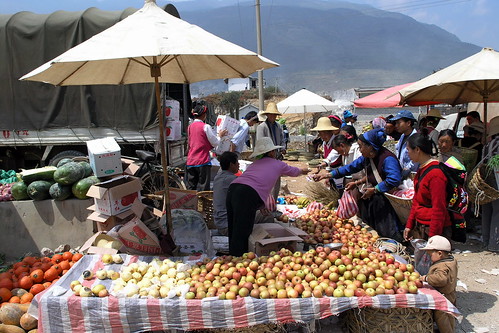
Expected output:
(136, 314)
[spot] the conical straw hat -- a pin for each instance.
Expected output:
(324, 124)
(264, 145)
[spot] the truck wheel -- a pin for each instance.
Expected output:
(65, 154)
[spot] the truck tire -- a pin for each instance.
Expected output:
(65, 154)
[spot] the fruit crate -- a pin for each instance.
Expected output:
(393, 320)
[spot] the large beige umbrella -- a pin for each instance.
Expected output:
(150, 46)
(474, 79)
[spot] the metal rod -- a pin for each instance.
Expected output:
(259, 51)
(164, 165)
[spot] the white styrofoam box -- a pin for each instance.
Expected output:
(171, 109)
(105, 157)
(173, 130)
(228, 123)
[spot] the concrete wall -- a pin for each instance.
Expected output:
(29, 226)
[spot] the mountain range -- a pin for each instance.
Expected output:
(326, 45)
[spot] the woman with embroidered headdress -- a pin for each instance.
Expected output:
(383, 174)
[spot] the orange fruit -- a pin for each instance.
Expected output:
(64, 265)
(67, 256)
(57, 258)
(26, 282)
(37, 288)
(5, 295)
(50, 275)
(76, 257)
(26, 298)
(6, 283)
(37, 275)
(15, 299)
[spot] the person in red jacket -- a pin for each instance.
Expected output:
(429, 216)
(201, 139)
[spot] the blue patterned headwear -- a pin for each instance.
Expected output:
(375, 138)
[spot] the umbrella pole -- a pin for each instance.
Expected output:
(156, 72)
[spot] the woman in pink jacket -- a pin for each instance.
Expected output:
(248, 192)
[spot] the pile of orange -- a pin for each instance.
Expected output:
(34, 275)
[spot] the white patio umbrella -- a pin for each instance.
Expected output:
(304, 101)
(474, 79)
(150, 46)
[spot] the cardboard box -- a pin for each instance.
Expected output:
(173, 130)
(138, 239)
(171, 109)
(130, 167)
(223, 145)
(116, 195)
(183, 199)
(228, 123)
(90, 246)
(267, 237)
(105, 157)
(106, 222)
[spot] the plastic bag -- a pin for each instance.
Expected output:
(421, 259)
(191, 233)
(347, 206)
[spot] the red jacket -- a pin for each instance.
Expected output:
(429, 205)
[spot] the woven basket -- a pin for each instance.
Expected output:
(401, 206)
(479, 192)
(205, 207)
(394, 320)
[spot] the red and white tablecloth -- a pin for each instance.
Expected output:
(69, 313)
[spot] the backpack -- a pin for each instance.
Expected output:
(457, 197)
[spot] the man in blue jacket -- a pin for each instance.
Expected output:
(404, 124)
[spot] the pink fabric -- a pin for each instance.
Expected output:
(199, 146)
(262, 175)
(347, 206)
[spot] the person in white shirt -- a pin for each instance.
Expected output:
(239, 139)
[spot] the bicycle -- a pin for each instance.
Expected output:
(151, 174)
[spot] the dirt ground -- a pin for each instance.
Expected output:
(477, 300)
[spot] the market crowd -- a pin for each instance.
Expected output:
(363, 167)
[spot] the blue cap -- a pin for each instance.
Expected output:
(403, 114)
(347, 114)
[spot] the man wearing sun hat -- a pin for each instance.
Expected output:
(404, 124)
(249, 192)
(270, 128)
(432, 118)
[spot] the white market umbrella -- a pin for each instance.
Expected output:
(474, 79)
(150, 46)
(304, 101)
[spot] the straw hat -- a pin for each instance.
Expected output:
(264, 145)
(324, 124)
(261, 116)
(493, 127)
(271, 109)
(435, 113)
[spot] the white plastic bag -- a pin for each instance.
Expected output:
(191, 233)
(421, 259)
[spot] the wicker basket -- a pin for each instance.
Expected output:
(401, 206)
(479, 192)
(205, 207)
(261, 328)
(394, 320)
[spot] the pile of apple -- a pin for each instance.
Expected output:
(323, 226)
(316, 273)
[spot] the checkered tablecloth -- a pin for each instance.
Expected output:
(60, 311)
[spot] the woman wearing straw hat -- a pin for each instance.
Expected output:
(248, 192)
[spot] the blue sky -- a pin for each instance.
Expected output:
(474, 21)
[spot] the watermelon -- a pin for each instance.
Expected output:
(46, 173)
(69, 173)
(64, 161)
(87, 167)
(60, 192)
(80, 188)
(39, 190)
(19, 191)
